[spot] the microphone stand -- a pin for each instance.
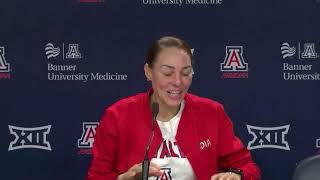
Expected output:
(146, 162)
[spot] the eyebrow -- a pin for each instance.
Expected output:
(171, 67)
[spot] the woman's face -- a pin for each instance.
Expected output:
(171, 76)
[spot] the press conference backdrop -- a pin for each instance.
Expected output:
(63, 62)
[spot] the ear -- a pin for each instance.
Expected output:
(147, 72)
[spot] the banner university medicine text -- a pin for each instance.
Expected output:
(180, 2)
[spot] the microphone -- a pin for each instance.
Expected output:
(146, 163)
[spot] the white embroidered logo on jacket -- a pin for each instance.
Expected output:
(205, 144)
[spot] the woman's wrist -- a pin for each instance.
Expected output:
(236, 171)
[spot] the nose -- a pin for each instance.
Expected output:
(177, 79)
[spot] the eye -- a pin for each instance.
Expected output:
(167, 74)
(187, 72)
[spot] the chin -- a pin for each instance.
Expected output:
(174, 103)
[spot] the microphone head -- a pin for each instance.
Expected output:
(155, 108)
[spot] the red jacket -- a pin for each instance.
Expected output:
(205, 135)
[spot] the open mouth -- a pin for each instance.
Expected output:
(174, 92)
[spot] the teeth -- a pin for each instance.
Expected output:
(174, 92)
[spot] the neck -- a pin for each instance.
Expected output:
(165, 112)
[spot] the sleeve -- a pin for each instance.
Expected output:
(231, 152)
(105, 148)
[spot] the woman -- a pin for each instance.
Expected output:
(193, 136)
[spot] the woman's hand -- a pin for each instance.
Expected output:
(135, 172)
(226, 176)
